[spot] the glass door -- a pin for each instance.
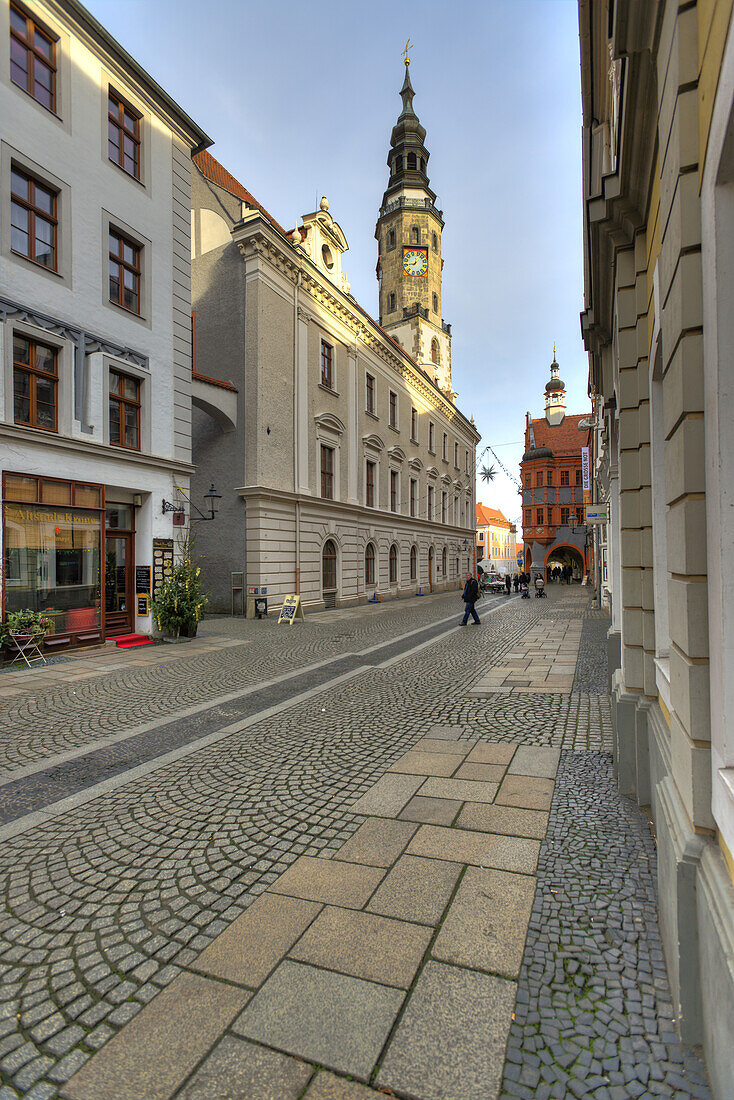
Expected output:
(119, 603)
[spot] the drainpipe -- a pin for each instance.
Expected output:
(296, 440)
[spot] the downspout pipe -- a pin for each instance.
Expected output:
(296, 440)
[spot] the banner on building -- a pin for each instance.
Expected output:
(585, 471)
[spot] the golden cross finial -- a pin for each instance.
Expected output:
(405, 52)
(554, 352)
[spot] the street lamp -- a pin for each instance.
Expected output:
(212, 498)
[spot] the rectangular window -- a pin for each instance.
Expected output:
(528, 520)
(124, 272)
(32, 57)
(327, 365)
(35, 381)
(327, 472)
(480, 536)
(413, 497)
(33, 220)
(540, 516)
(414, 424)
(445, 449)
(123, 134)
(430, 502)
(564, 517)
(431, 438)
(456, 455)
(394, 490)
(370, 483)
(124, 411)
(443, 507)
(370, 393)
(393, 409)
(539, 477)
(466, 462)
(565, 477)
(579, 515)
(578, 477)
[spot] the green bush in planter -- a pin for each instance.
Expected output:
(25, 622)
(180, 602)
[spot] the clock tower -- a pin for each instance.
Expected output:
(409, 262)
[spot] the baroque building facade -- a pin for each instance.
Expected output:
(658, 145)
(95, 385)
(553, 498)
(346, 469)
(496, 540)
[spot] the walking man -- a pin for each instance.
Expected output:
(470, 596)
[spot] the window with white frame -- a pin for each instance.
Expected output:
(413, 498)
(394, 491)
(430, 502)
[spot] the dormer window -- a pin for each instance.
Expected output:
(327, 257)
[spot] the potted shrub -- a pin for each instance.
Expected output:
(179, 603)
(21, 627)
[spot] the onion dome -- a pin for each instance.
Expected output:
(408, 156)
(537, 452)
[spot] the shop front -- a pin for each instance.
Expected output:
(68, 554)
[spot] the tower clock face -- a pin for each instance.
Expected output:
(415, 262)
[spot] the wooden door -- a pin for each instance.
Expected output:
(119, 573)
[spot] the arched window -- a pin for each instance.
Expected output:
(411, 162)
(435, 242)
(391, 302)
(393, 564)
(434, 351)
(328, 566)
(369, 565)
(391, 239)
(413, 563)
(415, 235)
(398, 163)
(444, 562)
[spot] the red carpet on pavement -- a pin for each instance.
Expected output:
(131, 641)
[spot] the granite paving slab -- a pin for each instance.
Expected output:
(160, 1046)
(428, 763)
(505, 853)
(508, 820)
(492, 773)
(431, 811)
(535, 760)
(416, 889)
(253, 944)
(450, 1042)
(326, 1086)
(497, 753)
(388, 796)
(329, 880)
(462, 790)
(435, 744)
(334, 1020)
(486, 926)
(239, 1070)
(364, 945)
(378, 841)
(524, 791)
(444, 732)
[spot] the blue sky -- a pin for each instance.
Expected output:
(300, 100)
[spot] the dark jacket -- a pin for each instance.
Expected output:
(471, 591)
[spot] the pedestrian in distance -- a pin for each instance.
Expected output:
(516, 582)
(508, 583)
(470, 595)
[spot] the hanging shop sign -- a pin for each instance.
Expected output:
(585, 469)
(291, 610)
(597, 513)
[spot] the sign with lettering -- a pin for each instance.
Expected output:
(597, 513)
(142, 578)
(291, 610)
(162, 562)
(585, 470)
(143, 607)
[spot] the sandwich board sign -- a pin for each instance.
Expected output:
(291, 610)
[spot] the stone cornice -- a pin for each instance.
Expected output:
(16, 434)
(256, 237)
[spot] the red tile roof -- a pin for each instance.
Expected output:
(563, 439)
(219, 175)
(490, 517)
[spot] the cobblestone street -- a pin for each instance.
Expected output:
(147, 802)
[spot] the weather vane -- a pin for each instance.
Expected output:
(405, 52)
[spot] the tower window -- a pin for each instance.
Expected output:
(415, 235)
(391, 239)
(434, 351)
(435, 242)
(423, 164)
(411, 162)
(398, 163)
(435, 303)
(391, 303)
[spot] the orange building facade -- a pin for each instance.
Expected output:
(553, 514)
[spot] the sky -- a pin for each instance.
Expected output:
(300, 100)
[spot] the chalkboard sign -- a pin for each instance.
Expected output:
(142, 578)
(291, 610)
(143, 608)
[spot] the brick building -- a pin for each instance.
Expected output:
(554, 532)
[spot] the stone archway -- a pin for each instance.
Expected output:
(563, 555)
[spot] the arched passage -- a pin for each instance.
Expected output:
(565, 554)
